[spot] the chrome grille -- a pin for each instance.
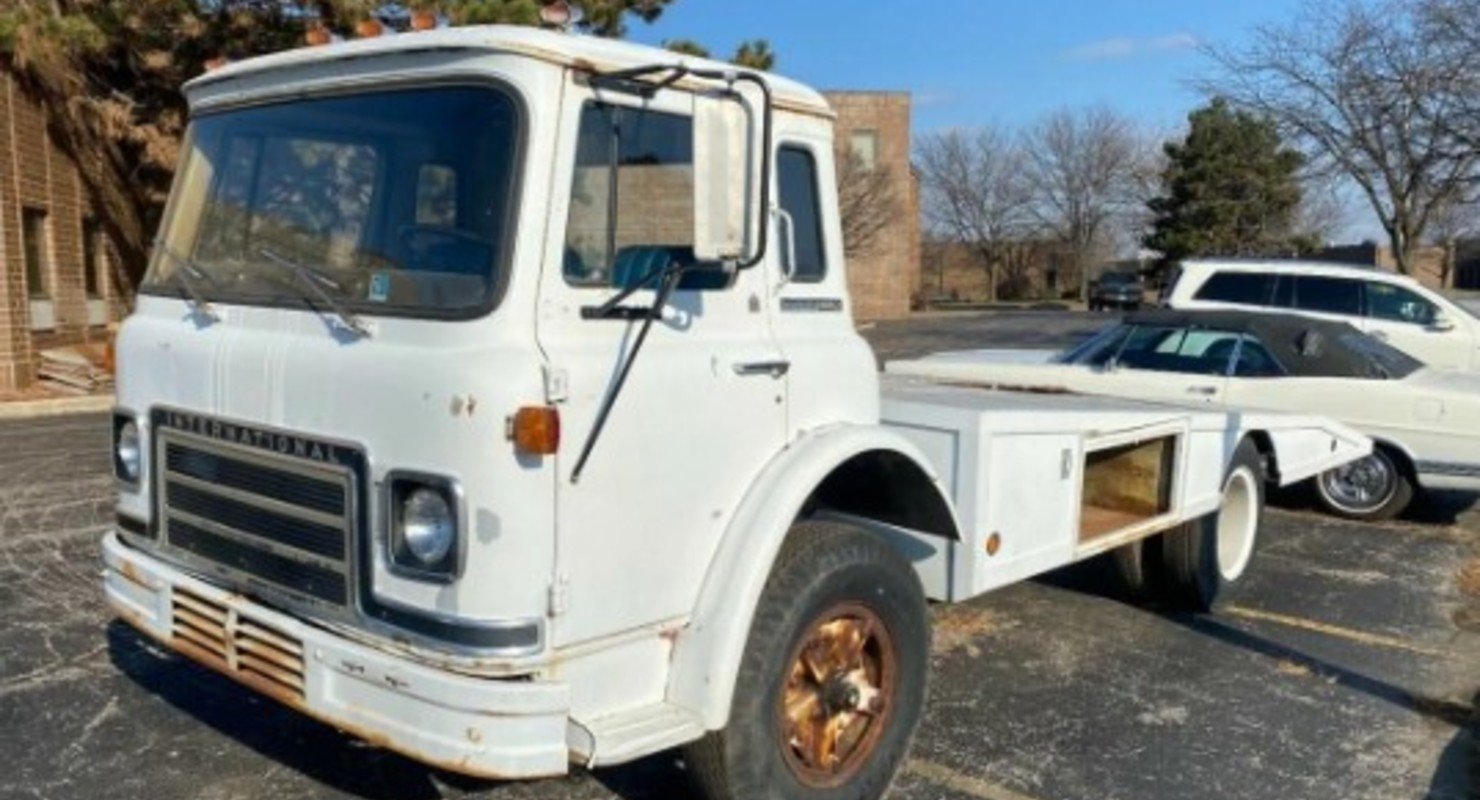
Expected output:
(266, 521)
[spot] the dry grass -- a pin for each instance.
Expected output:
(962, 628)
(1468, 578)
(1292, 668)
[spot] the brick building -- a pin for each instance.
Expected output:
(56, 284)
(876, 126)
(1028, 269)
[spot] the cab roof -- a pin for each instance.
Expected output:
(563, 49)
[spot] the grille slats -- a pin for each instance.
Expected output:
(227, 642)
(305, 578)
(235, 473)
(311, 537)
(265, 517)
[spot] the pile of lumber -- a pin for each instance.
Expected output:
(76, 370)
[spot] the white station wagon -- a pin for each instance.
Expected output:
(1394, 308)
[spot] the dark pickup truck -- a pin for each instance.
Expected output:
(1117, 290)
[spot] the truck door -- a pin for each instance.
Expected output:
(833, 375)
(703, 408)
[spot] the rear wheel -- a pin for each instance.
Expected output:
(1369, 489)
(1138, 568)
(1205, 558)
(833, 678)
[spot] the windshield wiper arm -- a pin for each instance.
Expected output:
(186, 276)
(317, 281)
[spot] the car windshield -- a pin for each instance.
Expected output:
(400, 199)
(1118, 279)
(1162, 348)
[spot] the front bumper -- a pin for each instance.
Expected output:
(475, 726)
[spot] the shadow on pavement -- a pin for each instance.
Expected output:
(324, 754)
(1457, 776)
(1428, 508)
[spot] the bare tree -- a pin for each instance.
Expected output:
(974, 191)
(868, 201)
(1323, 209)
(1082, 172)
(1364, 86)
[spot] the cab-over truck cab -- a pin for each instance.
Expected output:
(493, 394)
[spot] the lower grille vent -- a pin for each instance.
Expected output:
(261, 656)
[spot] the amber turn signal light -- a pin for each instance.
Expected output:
(536, 430)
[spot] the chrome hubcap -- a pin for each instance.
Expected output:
(1362, 485)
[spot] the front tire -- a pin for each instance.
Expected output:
(832, 683)
(1370, 489)
(1205, 558)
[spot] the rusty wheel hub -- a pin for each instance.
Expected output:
(836, 701)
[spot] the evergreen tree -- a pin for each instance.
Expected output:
(1230, 188)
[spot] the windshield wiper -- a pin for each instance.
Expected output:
(666, 277)
(317, 281)
(186, 276)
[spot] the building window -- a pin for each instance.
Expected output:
(92, 258)
(33, 240)
(864, 145)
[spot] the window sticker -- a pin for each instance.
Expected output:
(380, 287)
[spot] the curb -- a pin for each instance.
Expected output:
(56, 407)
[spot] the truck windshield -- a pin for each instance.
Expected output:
(401, 199)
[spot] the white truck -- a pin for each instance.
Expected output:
(494, 396)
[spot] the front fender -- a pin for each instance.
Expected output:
(706, 655)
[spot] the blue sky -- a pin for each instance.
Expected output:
(977, 61)
(995, 61)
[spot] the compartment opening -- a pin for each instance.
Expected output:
(1126, 485)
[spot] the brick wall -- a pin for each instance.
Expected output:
(882, 280)
(36, 175)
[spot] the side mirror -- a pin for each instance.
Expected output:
(722, 178)
(1442, 323)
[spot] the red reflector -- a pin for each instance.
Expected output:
(536, 430)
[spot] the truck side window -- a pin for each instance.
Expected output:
(796, 180)
(632, 197)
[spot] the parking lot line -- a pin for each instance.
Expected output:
(1315, 626)
(957, 781)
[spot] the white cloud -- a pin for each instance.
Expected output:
(1122, 47)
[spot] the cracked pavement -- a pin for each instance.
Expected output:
(1349, 669)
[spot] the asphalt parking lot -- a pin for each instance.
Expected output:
(1349, 670)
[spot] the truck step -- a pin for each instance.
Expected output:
(622, 737)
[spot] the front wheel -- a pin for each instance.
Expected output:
(1369, 489)
(1206, 557)
(832, 683)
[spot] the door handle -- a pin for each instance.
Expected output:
(775, 369)
(1205, 391)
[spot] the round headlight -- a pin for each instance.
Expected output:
(129, 455)
(427, 526)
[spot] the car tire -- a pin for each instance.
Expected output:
(831, 583)
(1369, 489)
(1206, 558)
